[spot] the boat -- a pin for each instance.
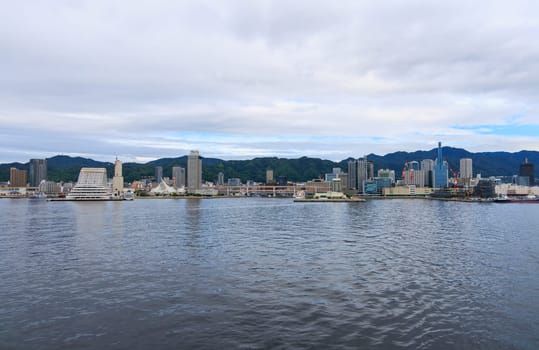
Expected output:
(531, 198)
(329, 197)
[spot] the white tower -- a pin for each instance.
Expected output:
(117, 180)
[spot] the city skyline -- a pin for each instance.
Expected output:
(240, 81)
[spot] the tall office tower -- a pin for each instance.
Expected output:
(118, 180)
(358, 173)
(466, 171)
(269, 176)
(352, 174)
(527, 169)
(178, 174)
(38, 171)
(17, 178)
(158, 174)
(194, 172)
(220, 178)
(440, 172)
(427, 166)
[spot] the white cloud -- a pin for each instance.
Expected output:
(125, 74)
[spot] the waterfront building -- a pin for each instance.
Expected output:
(528, 170)
(410, 190)
(413, 177)
(336, 185)
(383, 182)
(194, 172)
(50, 187)
(158, 174)
(269, 176)
(358, 173)
(427, 166)
(164, 189)
(317, 186)
(178, 176)
(91, 185)
(38, 171)
(118, 180)
(466, 172)
(440, 172)
(485, 189)
(17, 178)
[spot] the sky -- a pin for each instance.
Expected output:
(142, 80)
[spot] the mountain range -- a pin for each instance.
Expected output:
(65, 168)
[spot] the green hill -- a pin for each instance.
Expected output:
(65, 168)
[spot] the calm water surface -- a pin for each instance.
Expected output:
(268, 273)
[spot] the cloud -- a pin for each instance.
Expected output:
(88, 76)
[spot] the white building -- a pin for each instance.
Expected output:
(91, 185)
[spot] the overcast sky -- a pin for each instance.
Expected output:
(242, 79)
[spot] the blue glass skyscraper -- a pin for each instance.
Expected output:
(440, 172)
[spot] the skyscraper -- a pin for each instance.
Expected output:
(527, 169)
(427, 166)
(194, 172)
(178, 174)
(466, 171)
(440, 170)
(38, 171)
(358, 173)
(158, 174)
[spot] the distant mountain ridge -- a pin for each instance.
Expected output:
(65, 168)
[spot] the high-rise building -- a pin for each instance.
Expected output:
(178, 175)
(413, 177)
(118, 180)
(38, 171)
(269, 176)
(527, 169)
(427, 166)
(466, 171)
(440, 173)
(158, 174)
(352, 175)
(194, 172)
(17, 178)
(358, 173)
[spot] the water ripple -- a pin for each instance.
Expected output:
(263, 273)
